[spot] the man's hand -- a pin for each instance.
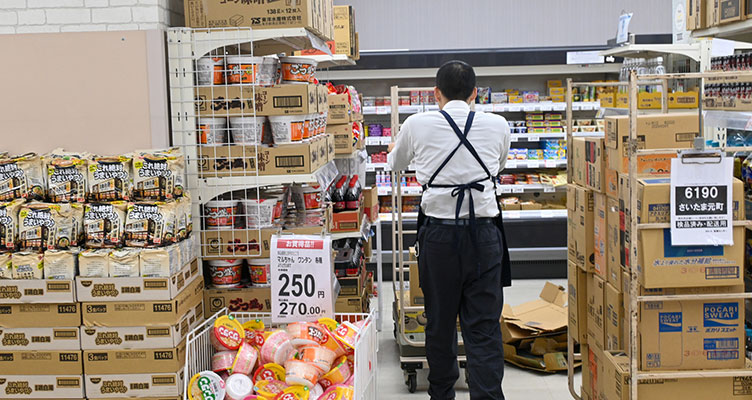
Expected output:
(390, 147)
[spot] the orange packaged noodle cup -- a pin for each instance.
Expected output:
(269, 372)
(298, 69)
(243, 69)
(227, 334)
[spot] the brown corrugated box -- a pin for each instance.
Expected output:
(600, 236)
(579, 163)
(219, 244)
(49, 362)
(238, 100)
(613, 318)
(581, 218)
(253, 299)
(596, 312)
(352, 304)
(134, 361)
(40, 315)
(42, 386)
(654, 198)
(340, 110)
(134, 385)
(577, 305)
(595, 167)
(15, 291)
(613, 264)
(39, 339)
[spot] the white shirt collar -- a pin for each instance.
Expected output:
(457, 104)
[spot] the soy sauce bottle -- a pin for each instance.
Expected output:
(338, 195)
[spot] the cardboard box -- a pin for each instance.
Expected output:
(341, 110)
(597, 374)
(243, 243)
(613, 318)
(134, 360)
(345, 221)
(144, 313)
(40, 315)
(649, 101)
(581, 206)
(595, 174)
(600, 236)
(579, 161)
(351, 304)
(42, 386)
(647, 164)
(138, 289)
(611, 181)
(16, 291)
(134, 385)
(657, 131)
(577, 303)
(663, 265)
(692, 17)
(18, 339)
(626, 327)
(679, 100)
(344, 30)
(238, 100)
(234, 160)
(654, 197)
(245, 300)
(607, 99)
(541, 317)
(416, 293)
(353, 285)
(613, 262)
(48, 362)
(712, 13)
(731, 10)
(557, 91)
(596, 312)
(622, 100)
(345, 142)
(371, 203)
(625, 226)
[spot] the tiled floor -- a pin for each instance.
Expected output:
(518, 384)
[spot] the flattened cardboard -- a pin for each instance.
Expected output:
(23, 339)
(40, 315)
(245, 299)
(544, 315)
(550, 362)
(577, 304)
(596, 312)
(50, 362)
(613, 318)
(136, 289)
(134, 385)
(16, 291)
(581, 219)
(654, 198)
(613, 264)
(42, 386)
(244, 243)
(600, 236)
(144, 313)
(238, 100)
(134, 360)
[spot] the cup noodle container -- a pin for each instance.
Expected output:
(287, 128)
(210, 71)
(323, 117)
(206, 385)
(308, 127)
(268, 71)
(247, 130)
(269, 389)
(301, 373)
(220, 214)
(269, 372)
(298, 69)
(277, 348)
(245, 359)
(260, 269)
(242, 69)
(227, 334)
(212, 131)
(238, 387)
(339, 392)
(258, 213)
(310, 195)
(317, 355)
(337, 375)
(226, 273)
(222, 361)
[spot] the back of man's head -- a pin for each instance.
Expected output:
(456, 80)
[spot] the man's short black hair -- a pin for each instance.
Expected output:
(456, 80)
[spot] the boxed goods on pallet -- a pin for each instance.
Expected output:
(141, 385)
(613, 223)
(250, 299)
(134, 361)
(589, 163)
(45, 338)
(654, 199)
(595, 311)
(42, 315)
(581, 219)
(600, 236)
(577, 304)
(613, 318)
(42, 386)
(47, 362)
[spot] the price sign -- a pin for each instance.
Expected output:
(506, 188)
(550, 163)
(511, 164)
(701, 201)
(533, 164)
(301, 272)
(533, 138)
(518, 189)
(549, 189)
(513, 214)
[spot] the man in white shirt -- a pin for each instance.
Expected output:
(462, 257)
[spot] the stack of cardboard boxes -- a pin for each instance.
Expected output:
(703, 14)
(345, 37)
(345, 123)
(671, 335)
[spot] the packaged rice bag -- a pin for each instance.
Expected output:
(9, 224)
(110, 178)
(43, 226)
(150, 224)
(66, 176)
(22, 177)
(158, 174)
(104, 224)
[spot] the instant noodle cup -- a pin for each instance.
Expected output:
(301, 373)
(269, 389)
(347, 333)
(338, 392)
(245, 359)
(318, 355)
(287, 128)
(220, 214)
(226, 273)
(316, 392)
(260, 269)
(212, 131)
(210, 71)
(258, 213)
(298, 70)
(222, 361)
(268, 71)
(269, 372)
(277, 347)
(247, 130)
(339, 374)
(206, 385)
(254, 329)
(227, 334)
(238, 387)
(328, 323)
(295, 393)
(243, 69)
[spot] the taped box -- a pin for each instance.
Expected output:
(134, 361)
(134, 385)
(40, 315)
(41, 362)
(41, 386)
(39, 339)
(16, 291)
(139, 289)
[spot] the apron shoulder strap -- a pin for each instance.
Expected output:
(465, 142)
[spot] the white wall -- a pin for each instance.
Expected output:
(32, 16)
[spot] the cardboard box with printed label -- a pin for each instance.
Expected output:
(345, 221)
(625, 224)
(253, 299)
(145, 289)
(595, 174)
(613, 264)
(40, 315)
(144, 313)
(42, 386)
(351, 304)
(596, 371)
(731, 10)
(712, 13)
(613, 316)
(600, 236)
(416, 293)
(243, 243)
(654, 198)
(612, 181)
(237, 160)
(664, 266)
(134, 385)
(345, 37)
(579, 161)
(577, 304)
(341, 110)
(345, 137)
(15, 291)
(371, 203)
(48, 362)
(17, 339)
(580, 242)
(596, 312)
(134, 361)
(238, 100)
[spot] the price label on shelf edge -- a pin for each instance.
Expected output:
(518, 189)
(550, 163)
(549, 188)
(301, 274)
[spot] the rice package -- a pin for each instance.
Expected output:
(150, 224)
(9, 224)
(5, 265)
(158, 175)
(27, 265)
(104, 224)
(110, 178)
(22, 177)
(43, 226)
(60, 264)
(66, 177)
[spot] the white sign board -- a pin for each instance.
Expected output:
(301, 272)
(701, 201)
(585, 57)
(622, 32)
(679, 29)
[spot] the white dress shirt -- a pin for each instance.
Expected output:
(426, 139)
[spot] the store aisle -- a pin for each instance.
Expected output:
(519, 384)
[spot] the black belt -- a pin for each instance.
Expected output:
(460, 222)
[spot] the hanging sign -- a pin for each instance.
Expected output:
(622, 32)
(701, 200)
(301, 272)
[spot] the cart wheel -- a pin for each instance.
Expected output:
(412, 382)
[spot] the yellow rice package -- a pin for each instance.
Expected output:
(66, 176)
(9, 224)
(150, 224)
(44, 226)
(104, 224)
(158, 175)
(22, 177)
(110, 178)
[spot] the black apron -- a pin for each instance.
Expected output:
(459, 192)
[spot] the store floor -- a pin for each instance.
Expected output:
(519, 384)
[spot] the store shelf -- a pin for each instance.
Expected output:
(521, 214)
(406, 191)
(265, 41)
(740, 31)
(497, 108)
(334, 60)
(378, 140)
(370, 167)
(654, 50)
(531, 188)
(588, 134)
(527, 164)
(387, 110)
(536, 137)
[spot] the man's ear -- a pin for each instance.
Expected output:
(472, 97)
(437, 94)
